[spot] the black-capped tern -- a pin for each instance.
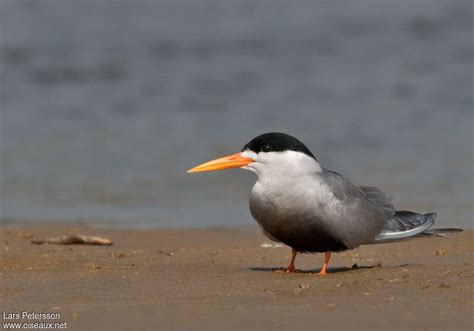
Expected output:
(312, 209)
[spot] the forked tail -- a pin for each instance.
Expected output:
(406, 224)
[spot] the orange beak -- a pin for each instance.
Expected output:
(226, 162)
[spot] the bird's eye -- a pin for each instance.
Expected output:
(267, 147)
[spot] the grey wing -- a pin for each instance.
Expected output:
(406, 224)
(345, 190)
(365, 210)
(380, 199)
(341, 188)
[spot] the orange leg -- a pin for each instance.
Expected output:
(325, 266)
(291, 267)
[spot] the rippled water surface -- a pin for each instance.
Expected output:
(105, 104)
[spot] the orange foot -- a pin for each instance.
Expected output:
(286, 270)
(323, 273)
(291, 267)
(325, 266)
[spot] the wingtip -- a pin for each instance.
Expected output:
(433, 216)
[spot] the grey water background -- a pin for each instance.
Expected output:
(106, 104)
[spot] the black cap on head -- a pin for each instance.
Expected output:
(276, 142)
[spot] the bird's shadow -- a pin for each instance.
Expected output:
(315, 271)
(329, 270)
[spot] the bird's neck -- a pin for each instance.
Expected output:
(289, 171)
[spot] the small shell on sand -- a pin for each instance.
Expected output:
(74, 239)
(271, 245)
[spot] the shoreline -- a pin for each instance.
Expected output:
(220, 278)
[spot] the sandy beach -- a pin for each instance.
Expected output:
(222, 279)
(105, 106)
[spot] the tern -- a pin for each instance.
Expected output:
(311, 209)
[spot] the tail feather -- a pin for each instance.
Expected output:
(440, 232)
(406, 224)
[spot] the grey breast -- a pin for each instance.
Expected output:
(291, 213)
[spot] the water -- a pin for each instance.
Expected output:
(106, 104)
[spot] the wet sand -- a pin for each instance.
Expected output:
(221, 279)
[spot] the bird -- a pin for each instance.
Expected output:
(300, 203)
